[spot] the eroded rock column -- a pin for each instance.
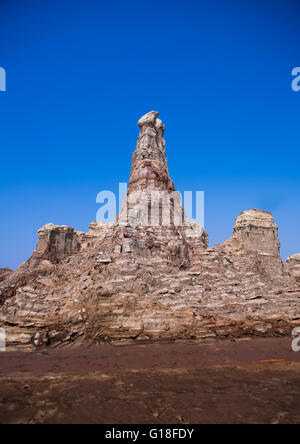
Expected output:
(254, 232)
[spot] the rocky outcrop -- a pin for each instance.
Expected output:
(152, 218)
(55, 243)
(254, 232)
(150, 275)
(4, 272)
(293, 263)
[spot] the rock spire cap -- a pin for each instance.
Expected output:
(150, 120)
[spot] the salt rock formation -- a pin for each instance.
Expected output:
(255, 231)
(150, 275)
(55, 243)
(293, 263)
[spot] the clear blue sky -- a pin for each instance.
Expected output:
(79, 75)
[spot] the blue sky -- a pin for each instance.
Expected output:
(81, 73)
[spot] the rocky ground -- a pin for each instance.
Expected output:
(242, 382)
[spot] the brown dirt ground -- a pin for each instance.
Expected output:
(242, 382)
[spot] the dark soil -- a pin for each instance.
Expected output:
(255, 381)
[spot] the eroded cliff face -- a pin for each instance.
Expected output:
(142, 279)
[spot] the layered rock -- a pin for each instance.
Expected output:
(55, 243)
(152, 217)
(150, 275)
(4, 272)
(152, 200)
(293, 263)
(254, 232)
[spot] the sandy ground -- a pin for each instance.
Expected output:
(255, 381)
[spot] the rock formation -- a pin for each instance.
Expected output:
(255, 231)
(4, 272)
(55, 244)
(293, 263)
(150, 275)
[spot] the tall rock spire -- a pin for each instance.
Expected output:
(151, 197)
(149, 163)
(152, 201)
